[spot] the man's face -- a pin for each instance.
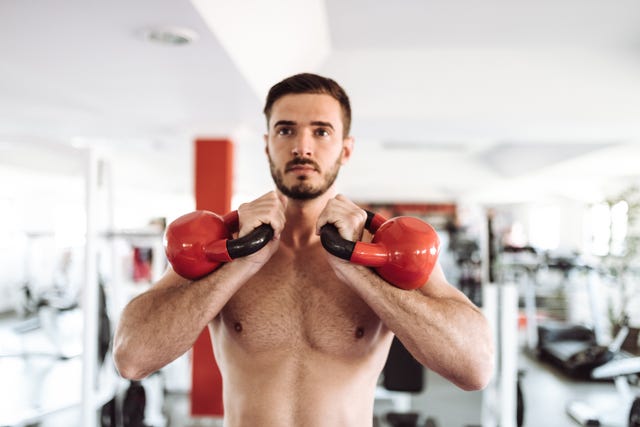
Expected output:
(305, 144)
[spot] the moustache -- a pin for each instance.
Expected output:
(301, 162)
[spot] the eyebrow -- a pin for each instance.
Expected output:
(292, 123)
(284, 123)
(323, 124)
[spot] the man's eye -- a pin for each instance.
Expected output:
(322, 132)
(284, 131)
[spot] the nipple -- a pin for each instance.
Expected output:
(359, 332)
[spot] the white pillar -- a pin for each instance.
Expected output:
(499, 399)
(500, 307)
(509, 354)
(90, 295)
(593, 292)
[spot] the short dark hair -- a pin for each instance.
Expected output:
(310, 83)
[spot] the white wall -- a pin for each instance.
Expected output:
(42, 213)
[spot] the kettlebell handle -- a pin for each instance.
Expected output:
(251, 243)
(342, 248)
(245, 245)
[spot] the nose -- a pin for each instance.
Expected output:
(303, 146)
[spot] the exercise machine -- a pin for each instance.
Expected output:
(402, 376)
(520, 265)
(622, 370)
(573, 348)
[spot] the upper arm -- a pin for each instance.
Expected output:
(170, 279)
(437, 286)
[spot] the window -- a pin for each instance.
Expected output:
(544, 227)
(619, 218)
(608, 228)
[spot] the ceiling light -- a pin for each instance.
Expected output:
(175, 36)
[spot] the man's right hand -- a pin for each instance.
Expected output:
(267, 209)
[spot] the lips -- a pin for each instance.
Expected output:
(301, 166)
(301, 169)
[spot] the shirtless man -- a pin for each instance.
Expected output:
(301, 336)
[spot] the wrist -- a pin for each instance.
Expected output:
(245, 266)
(349, 272)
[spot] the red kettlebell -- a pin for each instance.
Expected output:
(404, 250)
(197, 243)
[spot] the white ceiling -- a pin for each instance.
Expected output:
(494, 101)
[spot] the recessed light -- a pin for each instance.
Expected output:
(170, 35)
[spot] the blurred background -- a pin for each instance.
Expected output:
(513, 127)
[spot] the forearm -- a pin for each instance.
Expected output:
(445, 332)
(162, 324)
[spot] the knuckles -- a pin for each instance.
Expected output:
(346, 216)
(267, 209)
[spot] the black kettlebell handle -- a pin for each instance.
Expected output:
(251, 243)
(342, 248)
(248, 244)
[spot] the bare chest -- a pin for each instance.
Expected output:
(296, 301)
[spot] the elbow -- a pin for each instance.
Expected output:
(478, 381)
(131, 372)
(473, 379)
(127, 365)
(482, 366)
(481, 373)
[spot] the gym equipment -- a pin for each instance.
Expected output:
(519, 402)
(404, 249)
(135, 401)
(108, 414)
(520, 265)
(104, 326)
(401, 371)
(575, 349)
(197, 243)
(583, 414)
(402, 375)
(621, 370)
(572, 348)
(634, 413)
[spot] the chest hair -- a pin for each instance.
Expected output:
(297, 301)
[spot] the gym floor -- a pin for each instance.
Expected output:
(546, 391)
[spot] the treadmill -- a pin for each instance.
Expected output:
(573, 348)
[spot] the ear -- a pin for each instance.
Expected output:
(347, 149)
(266, 143)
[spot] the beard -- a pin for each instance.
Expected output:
(303, 189)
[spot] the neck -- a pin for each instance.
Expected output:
(302, 216)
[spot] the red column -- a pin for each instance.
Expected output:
(213, 187)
